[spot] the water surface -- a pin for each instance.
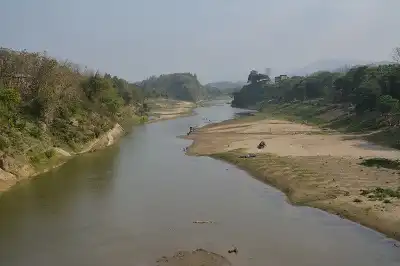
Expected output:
(135, 202)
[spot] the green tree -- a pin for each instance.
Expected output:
(387, 104)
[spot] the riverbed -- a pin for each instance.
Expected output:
(136, 201)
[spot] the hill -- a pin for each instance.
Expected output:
(179, 86)
(334, 65)
(226, 85)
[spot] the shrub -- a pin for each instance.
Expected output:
(50, 153)
(4, 143)
(35, 132)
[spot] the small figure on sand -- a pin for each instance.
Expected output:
(233, 250)
(261, 145)
(191, 129)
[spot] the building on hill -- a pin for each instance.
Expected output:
(280, 78)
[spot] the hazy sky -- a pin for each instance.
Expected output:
(217, 39)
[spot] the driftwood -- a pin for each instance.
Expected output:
(203, 222)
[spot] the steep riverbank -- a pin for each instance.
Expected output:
(14, 170)
(314, 167)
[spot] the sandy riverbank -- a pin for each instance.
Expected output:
(164, 109)
(313, 167)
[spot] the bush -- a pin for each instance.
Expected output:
(382, 162)
(387, 104)
(50, 153)
(35, 132)
(97, 132)
(4, 143)
(35, 159)
(9, 98)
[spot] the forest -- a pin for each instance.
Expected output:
(178, 86)
(366, 89)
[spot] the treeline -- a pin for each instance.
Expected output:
(178, 86)
(52, 102)
(364, 88)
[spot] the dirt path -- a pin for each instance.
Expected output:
(312, 166)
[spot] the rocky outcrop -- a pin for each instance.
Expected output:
(6, 180)
(11, 171)
(105, 140)
(11, 165)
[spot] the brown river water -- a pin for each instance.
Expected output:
(135, 202)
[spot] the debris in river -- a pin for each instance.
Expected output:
(233, 250)
(203, 222)
(261, 145)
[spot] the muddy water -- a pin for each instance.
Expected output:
(137, 201)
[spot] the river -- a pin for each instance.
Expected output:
(136, 201)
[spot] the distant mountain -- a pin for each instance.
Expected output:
(224, 85)
(332, 65)
(180, 86)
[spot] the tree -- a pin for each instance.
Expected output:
(387, 104)
(9, 98)
(365, 96)
(396, 55)
(255, 77)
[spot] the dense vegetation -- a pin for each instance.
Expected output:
(179, 86)
(367, 88)
(361, 98)
(45, 103)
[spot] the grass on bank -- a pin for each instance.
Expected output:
(45, 160)
(382, 162)
(381, 194)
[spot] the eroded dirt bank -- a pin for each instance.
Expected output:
(313, 167)
(13, 171)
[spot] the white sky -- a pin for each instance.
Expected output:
(217, 39)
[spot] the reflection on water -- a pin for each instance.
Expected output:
(137, 201)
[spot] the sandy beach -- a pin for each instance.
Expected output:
(313, 167)
(164, 109)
